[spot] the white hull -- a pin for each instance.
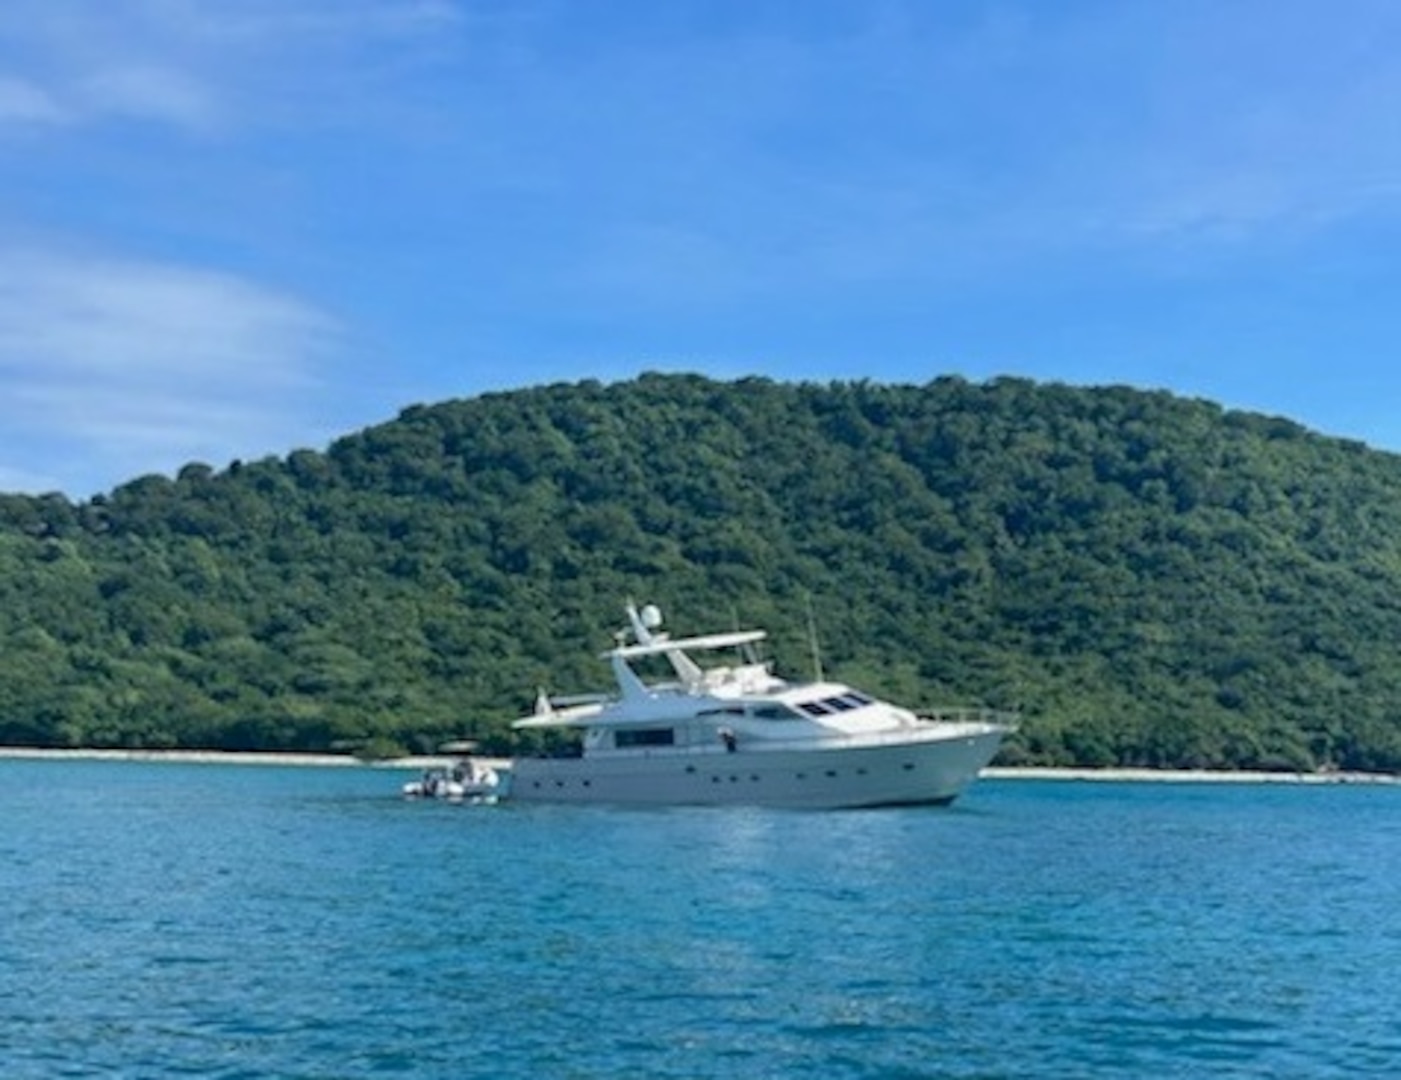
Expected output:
(473, 793)
(931, 767)
(464, 783)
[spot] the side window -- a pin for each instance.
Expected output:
(628, 737)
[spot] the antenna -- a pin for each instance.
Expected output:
(812, 640)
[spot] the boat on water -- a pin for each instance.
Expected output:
(465, 780)
(732, 731)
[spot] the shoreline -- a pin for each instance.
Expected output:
(1182, 776)
(992, 772)
(220, 757)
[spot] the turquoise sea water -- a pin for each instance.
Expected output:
(165, 920)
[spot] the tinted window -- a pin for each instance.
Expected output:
(625, 737)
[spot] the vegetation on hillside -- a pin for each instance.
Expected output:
(1150, 580)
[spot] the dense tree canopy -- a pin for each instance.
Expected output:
(1150, 580)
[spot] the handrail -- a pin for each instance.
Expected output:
(971, 714)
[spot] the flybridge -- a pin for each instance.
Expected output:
(650, 640)
(661, 645)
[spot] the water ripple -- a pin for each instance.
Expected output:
(240, 922)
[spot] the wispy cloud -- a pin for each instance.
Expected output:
(123, 367)
(149, 92)
(85, 62)
(195, 65)
(912, 144)
(454, 172)
(1243, 122)
(24, 102)
(141, 123)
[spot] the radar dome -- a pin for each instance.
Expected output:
(651, 617)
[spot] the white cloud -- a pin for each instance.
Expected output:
(918, 143)
(128, 367)
(85, 62)
(1210, 124)
(24, 102)
(192, 65)
(261, 21)
(150, 93)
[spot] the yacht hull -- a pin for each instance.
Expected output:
(845, 773)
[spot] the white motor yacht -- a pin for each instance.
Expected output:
(734, 732)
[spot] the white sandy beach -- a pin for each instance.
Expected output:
(1188, 776)
(219, 757)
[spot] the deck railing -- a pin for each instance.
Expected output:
(970, 714)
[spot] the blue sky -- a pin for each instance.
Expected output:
(233, 228)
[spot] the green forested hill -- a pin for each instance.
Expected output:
(1151, 580)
